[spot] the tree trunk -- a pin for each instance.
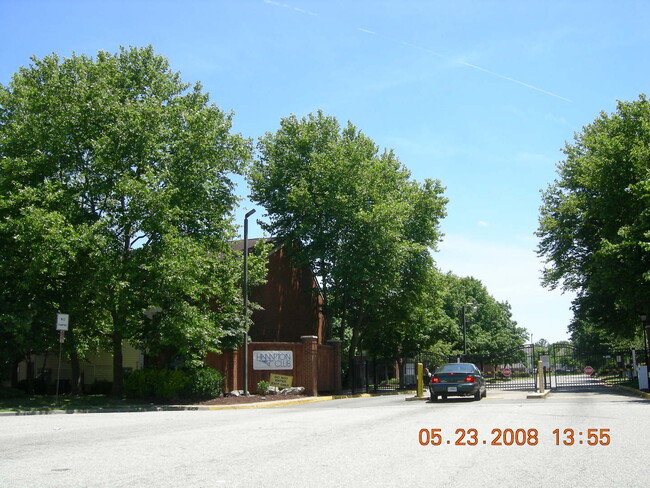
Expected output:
(14, 373)
(118, 371)
(75, 380)
(30, 375)
(354, 342)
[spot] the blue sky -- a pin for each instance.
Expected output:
(479, 94)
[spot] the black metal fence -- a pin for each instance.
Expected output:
(564, 367)
(571, 368)
(381, 375)
(516, 369)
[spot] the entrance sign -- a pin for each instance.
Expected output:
(270, 360)
(588, 370)
(281, 381)
(62, 320)
(506, 371)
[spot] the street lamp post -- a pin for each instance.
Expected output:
(245, 294)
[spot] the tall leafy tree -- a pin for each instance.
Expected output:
(116, 198)
(358, 217)
(492, 336)
(411, 319)
(595, 220)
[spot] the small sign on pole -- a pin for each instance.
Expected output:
(62, 320)
(506, 371)
(589, 370)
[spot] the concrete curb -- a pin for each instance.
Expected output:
(537, 396)
(282, 403)
(634, 391)
(171, 408)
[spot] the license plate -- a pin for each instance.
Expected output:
(452, 389)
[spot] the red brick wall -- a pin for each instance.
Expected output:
(323, 373)
(291, 302)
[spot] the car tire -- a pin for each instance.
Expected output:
(478, 396)
(485, 393)
(434, 398)
(444, 398)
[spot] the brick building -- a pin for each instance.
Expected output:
(291, 319)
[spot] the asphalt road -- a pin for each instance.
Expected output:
(502, 441)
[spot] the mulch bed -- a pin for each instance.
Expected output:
(234, 400)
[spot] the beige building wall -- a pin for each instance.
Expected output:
(97, 366)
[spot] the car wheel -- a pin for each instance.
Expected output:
(478, 396)
(485, 393)
(434, 398)
(444, 398)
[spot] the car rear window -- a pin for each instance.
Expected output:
(457, 368)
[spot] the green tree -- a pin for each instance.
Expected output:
(595, 220)
(358, 218)
(115, 198)
(410, 320)
(492, 335)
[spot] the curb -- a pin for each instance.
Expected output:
(537, 396)
(172, 408)
(416, 398)
(633, 391)
(281, 403)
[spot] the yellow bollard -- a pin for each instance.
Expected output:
(420, 381)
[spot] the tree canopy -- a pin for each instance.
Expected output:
(493, 337)
(116, 198)
(595, 220)
(361, 222)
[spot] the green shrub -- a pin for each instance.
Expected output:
(156, 383)
(165, 384)
(138, 384)
(11, 393)
(263, 387)
(100, 387)
(204, 382)
(171, 384)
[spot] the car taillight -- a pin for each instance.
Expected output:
(435, 380)
(470, 379)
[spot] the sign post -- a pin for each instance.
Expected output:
(62, 321)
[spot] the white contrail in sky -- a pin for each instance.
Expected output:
(469, 65)
(285, 5)
(429, 51)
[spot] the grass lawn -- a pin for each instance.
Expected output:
(67, 402)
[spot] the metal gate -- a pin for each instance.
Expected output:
(568, 367)
(516, 371)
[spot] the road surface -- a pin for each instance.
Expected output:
(502, 441)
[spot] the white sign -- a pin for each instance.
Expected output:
(265, 360)
(62, 321)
